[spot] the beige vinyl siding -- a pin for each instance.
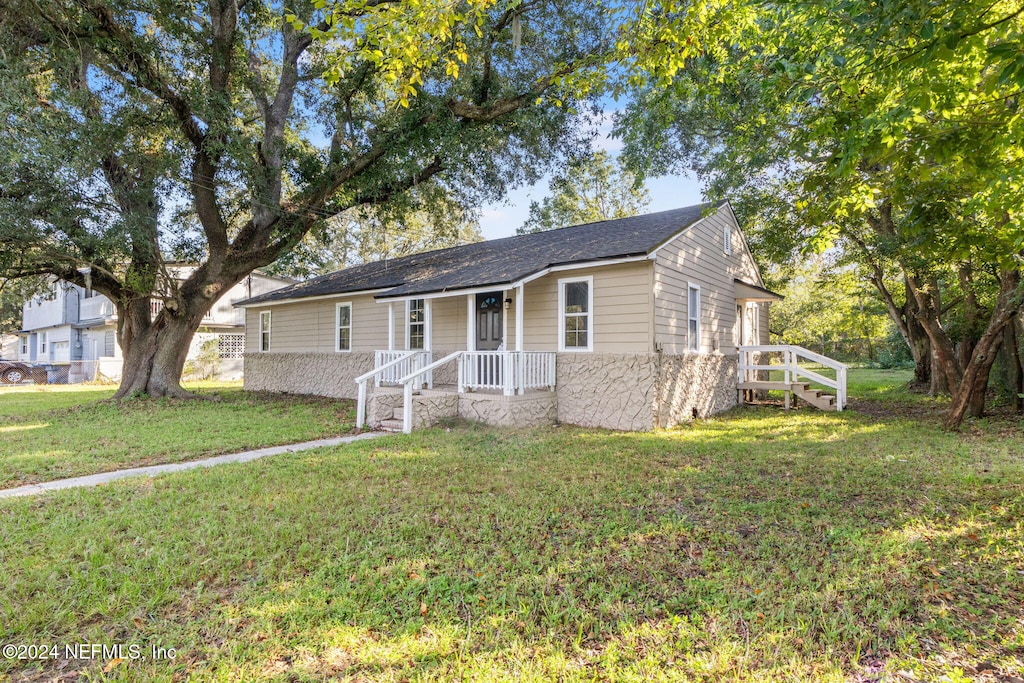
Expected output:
(448, 323)
(698, 257)
(620, 321)
(308, 326)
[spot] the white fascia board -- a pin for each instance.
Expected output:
(746, 245)
(579, 266)
(278, 302)
(654, 252)
(447, 293)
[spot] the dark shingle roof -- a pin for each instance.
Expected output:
(498, 262)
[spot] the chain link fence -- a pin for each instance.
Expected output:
(106, 370)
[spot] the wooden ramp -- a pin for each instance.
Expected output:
(758, 364)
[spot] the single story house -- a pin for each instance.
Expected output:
(627, 324)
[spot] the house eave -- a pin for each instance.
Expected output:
(246, 303)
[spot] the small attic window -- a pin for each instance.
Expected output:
(727, 239)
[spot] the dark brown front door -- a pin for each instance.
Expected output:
(488, 321)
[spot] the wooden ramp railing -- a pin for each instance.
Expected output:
(756, 368)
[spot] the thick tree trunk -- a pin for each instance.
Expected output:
(1014, 366)
(969, 395)
(155, 349)
(153, 363)
(937, 383)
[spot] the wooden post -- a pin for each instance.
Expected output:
(407, 409)
(391, 326)
(470, 321)
(361, 406)
(519, 318)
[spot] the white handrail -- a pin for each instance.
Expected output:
(407, 388)
(792, 369)
(361, 383)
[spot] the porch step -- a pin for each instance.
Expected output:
(395, 422)
(814, 396)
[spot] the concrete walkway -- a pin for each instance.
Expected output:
(245, 456)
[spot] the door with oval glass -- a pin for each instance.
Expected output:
(488, 337)
(488, 321)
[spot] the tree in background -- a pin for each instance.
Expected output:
(889, 131)
(829, 307)
(368, 234)
(593, 188)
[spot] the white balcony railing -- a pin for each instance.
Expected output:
(95, 307)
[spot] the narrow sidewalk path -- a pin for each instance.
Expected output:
(244, 456)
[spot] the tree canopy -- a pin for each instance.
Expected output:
(594, 188)
(889, 130)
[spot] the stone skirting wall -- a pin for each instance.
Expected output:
(430, 409)
(641, 391)
(611, 390)
(529, 410)
(322, 374)
(629, 392)
(705, 382)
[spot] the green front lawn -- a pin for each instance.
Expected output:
(56, 432)
(756, 546)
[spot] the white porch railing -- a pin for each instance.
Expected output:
(507, 371)
(790, 366)
(412, 360)
(395, 365)
(414, 378)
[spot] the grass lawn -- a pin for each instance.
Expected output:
(756, 546)
(54, 432)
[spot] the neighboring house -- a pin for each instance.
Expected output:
(8, 346)
(76, 327)
(627, 324)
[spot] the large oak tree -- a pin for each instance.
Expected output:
(224, 131)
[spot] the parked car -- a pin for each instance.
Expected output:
(13, 372)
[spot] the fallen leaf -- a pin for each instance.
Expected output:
(111, 665)
(423, 609)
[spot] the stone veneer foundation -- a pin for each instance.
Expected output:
(627, 391)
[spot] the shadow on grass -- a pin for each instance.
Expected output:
(755, 546)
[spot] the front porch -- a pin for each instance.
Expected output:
(502, 388)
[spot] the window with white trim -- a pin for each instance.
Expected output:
(693, 316)
(416, 324)
(42, 342)
(24, 345)
(343, 327)
(727, 239)
(264, 344)
(575, 314)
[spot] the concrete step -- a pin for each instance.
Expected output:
(391, 425)
(398, 412)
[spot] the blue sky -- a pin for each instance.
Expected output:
(667, 192)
